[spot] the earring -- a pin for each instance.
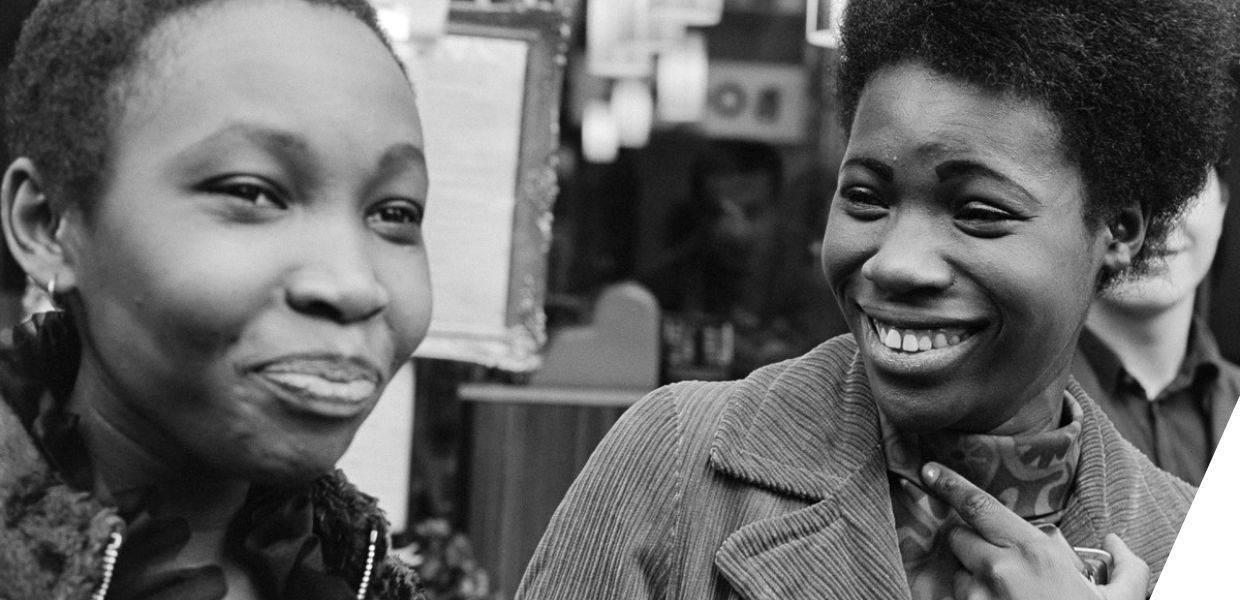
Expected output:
(51, 288)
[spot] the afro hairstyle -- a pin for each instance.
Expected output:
(1139, 89)
(72, 71)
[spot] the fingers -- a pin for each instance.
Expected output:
(974, 553)
(966, 587)
(1130, 575)
(981, 511)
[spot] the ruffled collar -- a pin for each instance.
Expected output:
(294, 551)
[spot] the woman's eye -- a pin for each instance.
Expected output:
(250, 191)
(863, 203)
(398, 220)
(977, 211)
(400, 212)
(984, 219)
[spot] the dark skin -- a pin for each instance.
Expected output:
(1005, 556)
(959, 252)
(225, 344)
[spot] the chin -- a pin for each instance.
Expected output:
(284, 467)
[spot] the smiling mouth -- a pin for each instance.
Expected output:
(913, 341)
(324, 388)
(327, 386)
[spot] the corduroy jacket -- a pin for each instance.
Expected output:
(775, 487)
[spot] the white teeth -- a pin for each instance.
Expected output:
(910, 343)
(347, 391)
(892, 339)
(918, 340)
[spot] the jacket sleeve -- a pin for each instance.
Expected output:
(613, 534)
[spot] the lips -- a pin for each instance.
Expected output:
(328, 386)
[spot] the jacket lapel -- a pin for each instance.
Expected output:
(841, 547)
(811, 430)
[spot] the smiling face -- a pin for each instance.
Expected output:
(958, 251)
(1176, 272)
(254, 272)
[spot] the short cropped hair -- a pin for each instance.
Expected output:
(67, 83)
(1138, 88)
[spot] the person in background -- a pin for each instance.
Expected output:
(1150, 361)
(715, 273)
(225, 199)
(743, 254)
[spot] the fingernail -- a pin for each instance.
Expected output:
(930, 473)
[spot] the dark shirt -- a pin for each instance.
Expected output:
(1180, 428)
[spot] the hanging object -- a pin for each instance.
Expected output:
(616, 32)
(661, 35)
(632, 106)
(419, 22)
(822, 22)
(681, 80)
(600, 134)
(413, 26)
(694, 13)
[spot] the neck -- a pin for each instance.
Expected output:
(1151, 345)
(123, 464)
(127, 456)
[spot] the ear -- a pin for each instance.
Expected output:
(1124, 236)
(33, 227)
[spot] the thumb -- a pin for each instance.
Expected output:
(1130, 576)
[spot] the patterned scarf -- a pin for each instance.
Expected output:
(1030, 474)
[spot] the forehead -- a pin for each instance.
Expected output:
(910, 109)
(321, 74)
(263, 35)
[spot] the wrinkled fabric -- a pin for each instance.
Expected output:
(776, 487)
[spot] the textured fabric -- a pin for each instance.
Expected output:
(1179, 428)
(53, 537)
(1030, 474)
(776, 486)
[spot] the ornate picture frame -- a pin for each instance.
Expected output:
(490, 102)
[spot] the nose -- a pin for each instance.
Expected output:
(909, 257)
(335, 279)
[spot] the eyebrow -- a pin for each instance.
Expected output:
(967, 168)
(276, 140)
(880, 168)
(401, 154)
(298, 151)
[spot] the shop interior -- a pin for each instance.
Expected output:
(674, 164)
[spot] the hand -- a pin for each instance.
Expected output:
(1005, 557)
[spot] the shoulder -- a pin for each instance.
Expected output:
(686, 416)
(1229, 376)
(54, 538)
(1120, 491)
(344, 518)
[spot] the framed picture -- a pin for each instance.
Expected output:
(489, 94)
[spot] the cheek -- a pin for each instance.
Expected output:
(844, 249)
(1045, 291)
(408, 281)
(185, 284)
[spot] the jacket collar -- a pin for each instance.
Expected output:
(809, 428)
(805, 428)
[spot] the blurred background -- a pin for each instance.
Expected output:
(693, 153)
